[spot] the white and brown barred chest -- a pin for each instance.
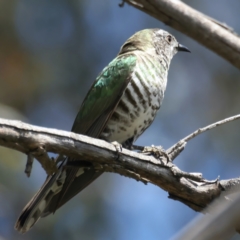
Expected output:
(139, 103)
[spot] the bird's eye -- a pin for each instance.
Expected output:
(169, 38)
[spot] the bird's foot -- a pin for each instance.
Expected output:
(156, 151)
(117, 145)
(118, 148)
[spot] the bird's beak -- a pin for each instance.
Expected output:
(182, 48)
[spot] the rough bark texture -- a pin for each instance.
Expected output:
(189, 188)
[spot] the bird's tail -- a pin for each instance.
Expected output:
(53, 195)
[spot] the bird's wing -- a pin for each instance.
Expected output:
(96, 109)
(104, 95)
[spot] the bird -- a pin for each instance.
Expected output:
(120, 105)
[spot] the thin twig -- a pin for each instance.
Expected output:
(211, 126)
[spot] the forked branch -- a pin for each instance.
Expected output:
(190, 188)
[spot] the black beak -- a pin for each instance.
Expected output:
(182, 48)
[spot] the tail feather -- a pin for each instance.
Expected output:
(80, 182)
(46, 200)
(33, 210)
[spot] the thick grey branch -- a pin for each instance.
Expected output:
(209, 32)
(189, 188)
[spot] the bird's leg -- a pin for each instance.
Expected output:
(156, 151)
(117, 145)
(118, 148)
(137, 148)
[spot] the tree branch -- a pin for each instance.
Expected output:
(189, 188)
(222, 223)
(214, 35)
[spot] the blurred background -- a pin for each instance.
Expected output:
(50, 53)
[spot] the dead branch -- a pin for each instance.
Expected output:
(190, 188)
(209, 127)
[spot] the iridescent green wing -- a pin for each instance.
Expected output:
(104, 96)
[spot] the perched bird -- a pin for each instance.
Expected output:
(121, 104)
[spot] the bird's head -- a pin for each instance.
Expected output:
(153, 41)
(165, 43)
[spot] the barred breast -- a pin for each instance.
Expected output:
(140, 101)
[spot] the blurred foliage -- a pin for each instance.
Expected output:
(50, 53)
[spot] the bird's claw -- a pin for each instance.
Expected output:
(156, 151)
(117, 146)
